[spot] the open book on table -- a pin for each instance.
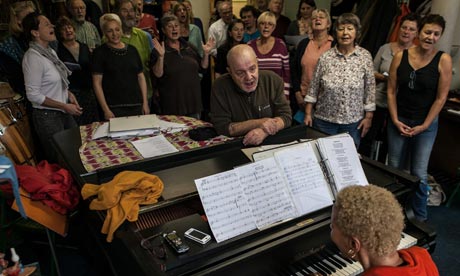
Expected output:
(282, 184)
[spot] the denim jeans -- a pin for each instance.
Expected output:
(334, 128)
(48, 122)
(417, 151)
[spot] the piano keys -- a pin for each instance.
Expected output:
(329, 261)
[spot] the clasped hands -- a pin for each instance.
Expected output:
(408, 131)
(73, 108)
(257, 135)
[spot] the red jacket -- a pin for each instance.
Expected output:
(51, 184)
(418, 263)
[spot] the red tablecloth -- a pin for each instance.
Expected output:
(106, 152)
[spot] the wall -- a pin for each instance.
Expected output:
(450, 40)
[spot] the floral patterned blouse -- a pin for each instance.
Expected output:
(343, 87)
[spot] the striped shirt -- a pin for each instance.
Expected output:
(277, 61)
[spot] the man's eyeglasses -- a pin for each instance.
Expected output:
(412, 78)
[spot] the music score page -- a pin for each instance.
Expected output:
(342, 160)
(305, 178)
(226, 207)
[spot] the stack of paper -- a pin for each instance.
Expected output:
(132, 126)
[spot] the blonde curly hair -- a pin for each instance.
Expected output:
(373, 215)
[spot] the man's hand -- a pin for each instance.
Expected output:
(269, 126)
(254, 137)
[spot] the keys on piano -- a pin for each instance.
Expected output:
(329, 261)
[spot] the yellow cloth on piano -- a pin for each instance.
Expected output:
(122, 196)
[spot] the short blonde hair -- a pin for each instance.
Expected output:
(373, 215)
(267, 16)
(328, 16)
(108, 17)
(15, 9)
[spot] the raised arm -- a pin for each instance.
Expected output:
(157, 58)
(206, 52)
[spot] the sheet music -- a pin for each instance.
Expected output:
(269, 150)
(226, 207)
(101, 131)
(304, 176)
(154, 146)
(266, 192)
(342, 160)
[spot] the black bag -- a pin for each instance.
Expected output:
(202, 133)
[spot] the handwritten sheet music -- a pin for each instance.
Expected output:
(342, 160)
(266, 192)
(226, 207)
(305, 179)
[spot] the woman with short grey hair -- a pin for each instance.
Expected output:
(343, 85)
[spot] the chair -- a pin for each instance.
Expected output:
(18, 223)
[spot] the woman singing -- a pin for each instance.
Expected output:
(417, 90)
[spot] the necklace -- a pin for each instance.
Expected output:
(320, 41)
(119, 51)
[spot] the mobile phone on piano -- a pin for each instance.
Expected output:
(197, 235)
(175, 242)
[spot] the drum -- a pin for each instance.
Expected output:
(13, 142)
(15, 108)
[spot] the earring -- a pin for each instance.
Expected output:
(351, 253)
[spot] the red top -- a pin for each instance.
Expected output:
(417, 262)
(148, 22)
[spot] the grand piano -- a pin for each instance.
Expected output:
(296, 247)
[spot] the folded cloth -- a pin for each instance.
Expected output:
(122, 196)
(51, 184)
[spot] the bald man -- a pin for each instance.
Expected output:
(248, 102)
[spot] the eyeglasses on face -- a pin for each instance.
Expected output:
(270, 24)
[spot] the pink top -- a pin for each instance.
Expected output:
(277, 61)
(309, 62)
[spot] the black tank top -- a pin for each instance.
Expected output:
(417, 89)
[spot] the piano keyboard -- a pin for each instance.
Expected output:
(330, 262)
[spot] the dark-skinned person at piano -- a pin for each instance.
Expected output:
(248, 102)
(367, 224)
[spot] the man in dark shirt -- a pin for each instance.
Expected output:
(282, 22)
(247, 101)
